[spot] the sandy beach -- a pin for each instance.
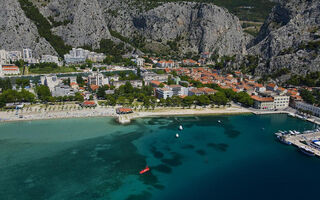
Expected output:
(75, 112)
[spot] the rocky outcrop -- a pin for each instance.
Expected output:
(17, 31)
(83, 25)
(285, 38)
(195, 27)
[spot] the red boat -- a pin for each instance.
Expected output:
(144, 170)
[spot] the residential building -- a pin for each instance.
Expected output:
(263, 103)
(164, 93)
(9, 70)
(207, 90)
(14, 56)
(308, 107)
(96, 57)
(272, 87)
(63, 90)
(27, 55)
(50, 81)
(151, 76)
(195, 91)
(50, 59)
(76, 55)
(97, 79)
(281, 101)
(166, 64)
(3, 57)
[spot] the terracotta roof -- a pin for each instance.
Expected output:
(125, 110)
(94, 87)
(271, 85)
(89, 103)
(262, 99)
(155, 82)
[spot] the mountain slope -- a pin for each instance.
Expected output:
(290, 38)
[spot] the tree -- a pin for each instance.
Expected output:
(101, 94)
(80, 80)
(79, 97)
(43, 92)
(203, 100)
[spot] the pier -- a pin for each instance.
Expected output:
(304, 140)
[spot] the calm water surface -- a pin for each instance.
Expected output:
(85, 159)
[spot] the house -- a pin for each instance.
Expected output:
(272, 87)
(121, 111)
(263, 103)
(134, 83)
(74, 85)
(166, 64)
(94, 87)
(189, 62)
(50, 59)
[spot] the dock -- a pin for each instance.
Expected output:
(304, 140)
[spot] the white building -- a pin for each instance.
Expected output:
(96, 57)
(3, 57)
(164, 93)
(50, 81)
(14, 56)
(50, 59)
(139, 62)
(97, 79)
(27, 55)
(76, 55)
(308, 107)
(9, 70)
(281, 102)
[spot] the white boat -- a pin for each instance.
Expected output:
(180, 128)
(219, 121)
(177, 135)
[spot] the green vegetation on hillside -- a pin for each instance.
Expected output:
(310, 80)
(44, 27)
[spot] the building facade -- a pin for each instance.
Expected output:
(281, 102)
(308, 107)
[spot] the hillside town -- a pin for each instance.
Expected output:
(167, 78)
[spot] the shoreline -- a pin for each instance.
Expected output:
(125, 119)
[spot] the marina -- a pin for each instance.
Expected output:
(308, 141)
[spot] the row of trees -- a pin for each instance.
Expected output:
(12, 96)
(44, 95)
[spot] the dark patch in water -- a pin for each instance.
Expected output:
(144, 195)
(155, 153)
(219, 147)
(201, 152)
(232, 133)
(150, 179)
(162, 168)
(187, 146)
(174, 161)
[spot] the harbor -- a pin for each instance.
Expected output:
(308, 142)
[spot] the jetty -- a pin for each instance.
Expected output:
(307, 140)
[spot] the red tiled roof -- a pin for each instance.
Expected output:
(262, 99)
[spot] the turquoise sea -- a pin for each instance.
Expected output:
(96, 158)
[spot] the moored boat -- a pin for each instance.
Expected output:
(180, 128)
(307, 151)
(282, 140)
(177, 135)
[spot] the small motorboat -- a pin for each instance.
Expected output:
(177, 135)
(180, 128)
(145, 170)
(219, 121)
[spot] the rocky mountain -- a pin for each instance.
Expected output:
(170, 27)
(290, 38)
(17, 31)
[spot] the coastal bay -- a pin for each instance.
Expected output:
(96, 158)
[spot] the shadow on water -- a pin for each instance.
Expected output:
(162, 168)
(219, 147)
(176, 160)
(187, 146)
(201, 152)
(156, 153)
(143, 196)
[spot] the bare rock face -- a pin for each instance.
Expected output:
(203, 27)
(84, 22)
(18, 32)
(284, 37)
